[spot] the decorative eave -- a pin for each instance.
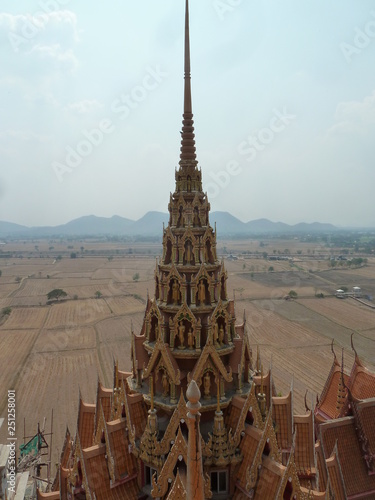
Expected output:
(130, 426)
(202, 273)
(209, 353)
(268, 438)
(179, 414)
(334, 368)
(188, 234)
(336, 479)
(250, 404)
(290, 476)
(178, 490)
(162, 350)
(80, 457)
(177, 452)
(110, 459)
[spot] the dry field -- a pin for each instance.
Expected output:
(51, 352)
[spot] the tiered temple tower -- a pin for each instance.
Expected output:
(189, 327)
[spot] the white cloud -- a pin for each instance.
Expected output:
(85, 107)
(354, 117)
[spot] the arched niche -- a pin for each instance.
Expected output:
(208, 253)
(189, 258)
(196, 218)
(168, 252)
(180, 220)
(223, 287)
(183, 333)
(154, 328)
(157, 287)
(220, 333)
(209, 384)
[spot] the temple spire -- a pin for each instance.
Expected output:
(187, 140)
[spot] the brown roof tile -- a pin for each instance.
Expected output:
(86, 418)
(248, 447)
(270, 478)
(282, 416)
(353, 466)
(304, 445)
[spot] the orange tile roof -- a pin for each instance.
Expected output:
(138, 413)
(327, 406)
(353, 466)
(85, 426)
(304, 452)
(282, 416)
(234, 412)
(248, 447)
(270, 478)
(335, 475)
(125, 462)
(321, 465)
(362, 383)
(99, 480)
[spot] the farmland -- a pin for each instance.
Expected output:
(52, 350)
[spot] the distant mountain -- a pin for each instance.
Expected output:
(10, 228)
(151, 225)
(227, 223)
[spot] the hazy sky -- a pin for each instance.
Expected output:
(91, 97)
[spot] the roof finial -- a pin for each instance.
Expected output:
(187, 134)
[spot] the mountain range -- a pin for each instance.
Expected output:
(151, 225)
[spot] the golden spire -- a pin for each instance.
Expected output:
(187, 141)
(218, 409)
(152, 392)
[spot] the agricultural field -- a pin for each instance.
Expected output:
(52, 351)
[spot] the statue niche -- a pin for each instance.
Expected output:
(154, 329)
(196, 218)
(207, 384)
(188, 253)
(219, 332)
(208, 254)
(202, 297)
(223, 288)
(168, 252)
(165, 383)
(188, 182)
(174, 294)
(180, 220)
(157, 288)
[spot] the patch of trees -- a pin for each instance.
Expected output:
(57, 294)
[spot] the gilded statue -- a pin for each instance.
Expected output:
(207, 385)
(175, 292)
(191, 338)
(221, 335)
(181, 335)
(202, 292)
(165, 384)
(216, 334)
